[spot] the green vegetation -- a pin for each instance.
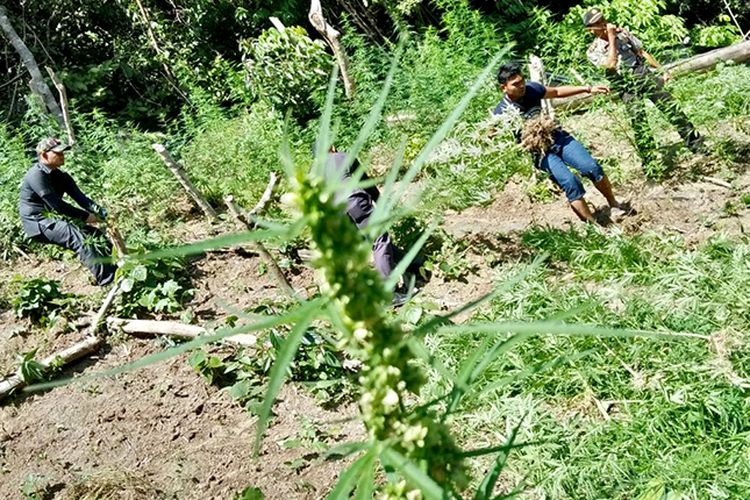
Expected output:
(612, 417)
(41, 300)
(604, 365)
(160, 286)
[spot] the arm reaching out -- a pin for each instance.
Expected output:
(568, 91)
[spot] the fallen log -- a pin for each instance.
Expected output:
(737, 53)
(137, 327)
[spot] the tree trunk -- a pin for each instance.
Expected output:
(37, 84)
(332, 37)
(738, 53)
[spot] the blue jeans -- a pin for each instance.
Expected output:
(567, 151)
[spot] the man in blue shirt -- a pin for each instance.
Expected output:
(41, 200)
(526, 98)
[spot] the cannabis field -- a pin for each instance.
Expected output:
(536, 356)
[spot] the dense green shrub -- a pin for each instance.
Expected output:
(288, 69)
(234, 155)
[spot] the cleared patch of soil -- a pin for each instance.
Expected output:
(162, 432)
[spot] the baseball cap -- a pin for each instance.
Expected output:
(592, 16)
(51, 144)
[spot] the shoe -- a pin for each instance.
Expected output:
(399, 299)
(696, 144)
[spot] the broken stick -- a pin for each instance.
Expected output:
(182, 178)
(61, 358)
(273, 267)
(63, 104)
(91, 343)
(172, 329)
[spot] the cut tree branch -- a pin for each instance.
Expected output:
(265, 197)
(182, 178)
(66, 356)
(331, 36)
(64, 104)
(273, 267)
(139, 327)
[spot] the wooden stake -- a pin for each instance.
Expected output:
(63, 103)
(182, 178)
(273, 267)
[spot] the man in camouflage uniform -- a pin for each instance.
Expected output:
(631, 72)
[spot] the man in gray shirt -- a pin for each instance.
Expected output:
(630, 70)
(41, 204)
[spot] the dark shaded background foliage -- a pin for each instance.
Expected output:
(102, 50)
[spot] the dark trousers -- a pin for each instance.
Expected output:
(88, 242)
(634, 91)
(359, 208)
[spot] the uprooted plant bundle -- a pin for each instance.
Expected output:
(537, 134)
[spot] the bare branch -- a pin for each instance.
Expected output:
(182, 178)
(332, 37)
(64, 104)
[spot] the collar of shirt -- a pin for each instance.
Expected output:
(509, 102)
(44, 168)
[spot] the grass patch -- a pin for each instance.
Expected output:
(617, 417)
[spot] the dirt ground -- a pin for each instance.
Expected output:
(162, 432)
(158, 432)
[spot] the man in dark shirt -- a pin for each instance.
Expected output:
(42, 191)
(631, 70)
(360, 205)
(526, 98)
